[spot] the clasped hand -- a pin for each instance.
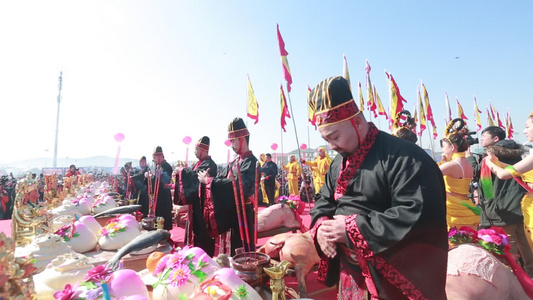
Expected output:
(203, 176)
(330, 233)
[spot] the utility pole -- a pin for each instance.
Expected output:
(57, 119)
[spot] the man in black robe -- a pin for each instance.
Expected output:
(379, 223)
(220, 212)
(140, 181)
(163, 171)
(186, 193)
(270, 169)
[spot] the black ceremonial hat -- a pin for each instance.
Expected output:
(158, 150)
(332, 101)
(237, 129)
(203, 143)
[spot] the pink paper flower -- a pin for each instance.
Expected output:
(68, 293)
(179, 275)
(161, 265)
(98, 274)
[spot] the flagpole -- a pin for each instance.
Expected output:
(308, 138)
(294, 124)
(282, 164)
(246, 101)
(430, 139)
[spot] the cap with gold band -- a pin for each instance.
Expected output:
(237, 129)
(203, 143)
(332, 101)
(158, 150)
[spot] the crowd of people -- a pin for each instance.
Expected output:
(383, 206)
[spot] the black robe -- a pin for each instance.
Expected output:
(164, 198)
(186, 192)
(141, 182)
(397, 206)
(220, 211)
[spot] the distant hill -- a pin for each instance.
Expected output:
(35, 165)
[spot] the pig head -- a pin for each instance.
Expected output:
(296, 248)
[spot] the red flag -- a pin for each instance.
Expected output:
(284, 110)
(478, 115)
(396, 98)
(284, 61)
(311, 117)
(460, 111)
(509, 123)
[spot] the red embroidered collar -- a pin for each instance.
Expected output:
(245, 155)
(353, 162)
(200, 161)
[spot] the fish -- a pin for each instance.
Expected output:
(142, 241)
(119, 210)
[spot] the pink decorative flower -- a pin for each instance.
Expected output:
(63, 231)
(98, 274)
(111, 228)
(179, 275)
(175, 259)
(68, 293)
(161, 265)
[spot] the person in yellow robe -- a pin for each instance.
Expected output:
(458, 173)
(319, 167)
(262, 160)
(293, 173)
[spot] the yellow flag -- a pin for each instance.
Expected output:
(253, 106)
(422, 113)
(361, 101)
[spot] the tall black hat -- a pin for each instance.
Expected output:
(203, 143)
(237, 129)
(158, 150)
(332, 101)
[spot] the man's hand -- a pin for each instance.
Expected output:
(203, 176)
(329, 248)
(331, 232)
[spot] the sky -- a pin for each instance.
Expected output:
(160, 71)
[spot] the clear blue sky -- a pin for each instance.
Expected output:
(158, 71)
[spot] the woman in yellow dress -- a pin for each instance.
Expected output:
(458, 173)
(522, 170)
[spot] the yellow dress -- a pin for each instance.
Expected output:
(457, 212)
(527, 209)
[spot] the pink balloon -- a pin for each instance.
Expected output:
(274, 146)
(187, 140)
(303, 146)
(119, 137)
(227, 143)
